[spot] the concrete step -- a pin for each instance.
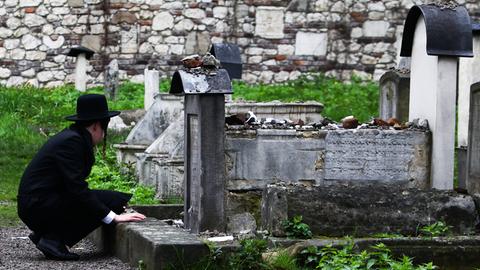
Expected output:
(151, 243)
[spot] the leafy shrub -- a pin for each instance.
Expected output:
(438, 228)
(295, 228)
(379, 257)
(283, 261)
(249, 256)
(107, 174)
(340, 99)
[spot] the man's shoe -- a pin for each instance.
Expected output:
(34, 237)
(55, 250)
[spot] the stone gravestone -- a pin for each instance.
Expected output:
(111, 79)
(394, 94)
(473, 152)
(204, 147)
(468, 74)
(152, 87)
(435, 36)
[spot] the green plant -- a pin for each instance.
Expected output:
(356, 97)
(249, 256)
(379, 257)
(107, 174)
(439, 228)
(295, 228)
(387, 235)
(283, 261)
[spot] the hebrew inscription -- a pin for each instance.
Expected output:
(369, 155)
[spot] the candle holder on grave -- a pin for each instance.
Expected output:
(204, 146)
(434, 37)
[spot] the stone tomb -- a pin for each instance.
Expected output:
(435, 37)
(473, 152)
(204, 147)
(468, 74)
(165, 110)
(256, 158)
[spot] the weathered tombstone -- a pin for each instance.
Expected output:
(82, 54)
(473, 152)
(204, 147)
(435, 36)
(468, 74)
(111, 79)
(152, 86)
(229, 56)
(395, 94)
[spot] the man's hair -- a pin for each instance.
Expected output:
(103, 124)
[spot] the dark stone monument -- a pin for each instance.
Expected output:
(473, 152)
(204, 146)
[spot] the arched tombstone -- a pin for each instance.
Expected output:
(204, 147)
(468, 74)
(435, 36)
(395, 94)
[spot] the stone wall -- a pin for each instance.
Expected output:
(279, 39)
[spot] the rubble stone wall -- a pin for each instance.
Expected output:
(279, 39)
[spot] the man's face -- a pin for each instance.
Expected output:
(98, 133)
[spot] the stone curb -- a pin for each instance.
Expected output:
(151, 243)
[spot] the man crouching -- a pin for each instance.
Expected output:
(54, 200)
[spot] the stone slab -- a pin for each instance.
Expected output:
(388, 155)
(156, 244)
(356, 209)
(269, 22)
(307, 43)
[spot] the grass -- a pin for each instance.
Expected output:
(356, 97)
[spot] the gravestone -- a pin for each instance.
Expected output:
(395, 94)
(468, 74)
(204, 147)
(111, 79)
(152, 87)
(473, 161)
(82, 54)
(435, 36)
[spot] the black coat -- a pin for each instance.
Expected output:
(53, 197)
(56, 175)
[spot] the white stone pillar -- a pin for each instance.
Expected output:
(81, 73)
(152, 87)
(432, 97)
(468, 74)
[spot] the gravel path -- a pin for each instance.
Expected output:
(17, 253)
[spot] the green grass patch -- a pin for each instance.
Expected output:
(357, 98)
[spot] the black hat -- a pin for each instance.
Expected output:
(92, 107)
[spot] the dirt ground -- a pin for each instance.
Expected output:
(17, 252)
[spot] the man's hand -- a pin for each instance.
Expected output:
(128, 217)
